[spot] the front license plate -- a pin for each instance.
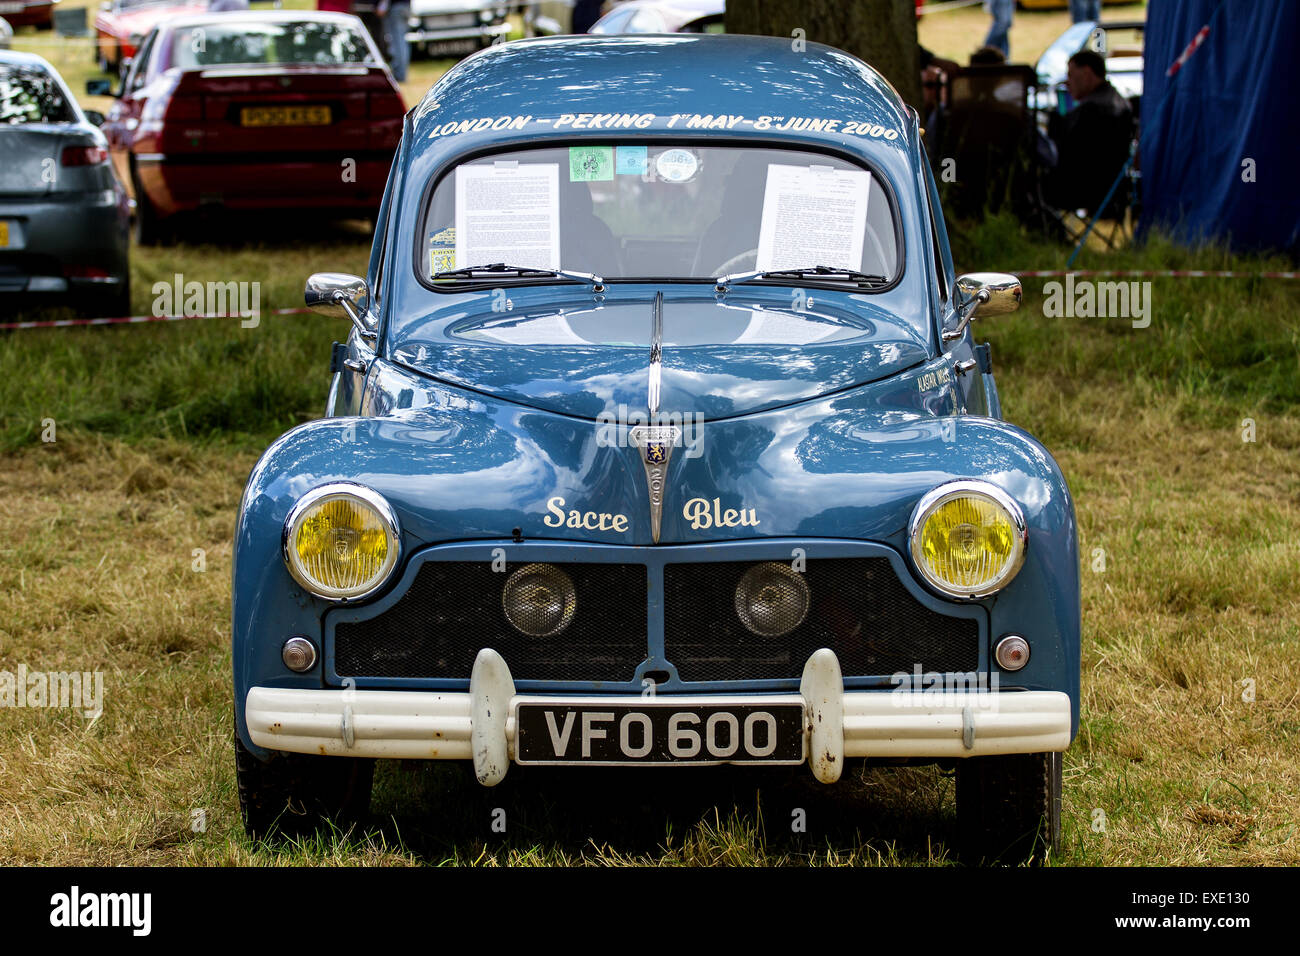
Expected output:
(4, 234)
(659, 731)
(284, 116)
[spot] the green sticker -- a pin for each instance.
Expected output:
(589, 164)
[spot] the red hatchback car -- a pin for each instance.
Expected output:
(275, 109)
(121, 26)
(28, 13)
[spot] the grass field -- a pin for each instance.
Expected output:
(116, 558)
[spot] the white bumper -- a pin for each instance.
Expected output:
(480, 725)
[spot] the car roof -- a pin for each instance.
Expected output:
(662, 75)
(20, 58)
(257, 16)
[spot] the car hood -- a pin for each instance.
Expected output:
(719, 358)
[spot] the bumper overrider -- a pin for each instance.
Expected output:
(484, 724)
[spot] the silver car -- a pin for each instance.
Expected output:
(64, 215)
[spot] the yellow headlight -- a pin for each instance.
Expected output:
(968, 538)
(340, 541)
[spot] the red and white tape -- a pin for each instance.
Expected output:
(1032, 274)
(1159, 274)
(1192, 47)
(130, 319)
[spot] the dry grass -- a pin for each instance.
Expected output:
(1198, 593)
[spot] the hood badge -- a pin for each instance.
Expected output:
(655, 443)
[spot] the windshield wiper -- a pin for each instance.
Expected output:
(500, 269)
(845, 275)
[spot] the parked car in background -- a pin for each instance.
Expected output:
(1120, 42)
(63, 212)
(451, 27)
(28, 13)
(273, 109)
(661, 438)
(663, 16)
(121, 25)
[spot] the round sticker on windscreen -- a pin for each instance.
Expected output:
(676, 165)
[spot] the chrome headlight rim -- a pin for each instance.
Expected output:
(945, 492)
(339, 489)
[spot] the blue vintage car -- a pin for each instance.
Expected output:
(660, 438)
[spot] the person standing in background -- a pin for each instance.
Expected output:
(999, 33)
(585, 13)
(1081, 10)
(386, 22)
(394, 15)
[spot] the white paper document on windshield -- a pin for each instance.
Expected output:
(813, 216)
(508, 212)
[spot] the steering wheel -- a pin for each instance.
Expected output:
(735, 263)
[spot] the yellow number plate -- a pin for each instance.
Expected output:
(284, 116)
(4, 234)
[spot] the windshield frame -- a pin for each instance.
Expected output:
(743, 143)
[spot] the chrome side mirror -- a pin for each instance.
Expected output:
(340, 296)
(981, 294)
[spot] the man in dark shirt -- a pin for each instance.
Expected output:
(1092, 140)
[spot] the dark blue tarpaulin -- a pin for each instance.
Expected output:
(1235, 100)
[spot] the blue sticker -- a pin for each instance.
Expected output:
(631, 161)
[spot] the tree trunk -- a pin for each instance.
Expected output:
(882, 32)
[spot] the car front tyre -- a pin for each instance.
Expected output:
(294, 794)
(1009, 807)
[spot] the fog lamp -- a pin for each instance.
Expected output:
(539, 600)
(772, 599)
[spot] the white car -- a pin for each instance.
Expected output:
(447, 27)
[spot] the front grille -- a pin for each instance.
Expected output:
(453, 609)
(859, 609)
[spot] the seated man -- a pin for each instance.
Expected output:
(1092, 139)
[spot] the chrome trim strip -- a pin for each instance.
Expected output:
(656, 351)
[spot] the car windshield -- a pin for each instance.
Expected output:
(659, 211)
(303, 42)
(31, 95)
